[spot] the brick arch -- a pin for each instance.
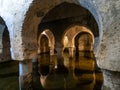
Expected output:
(37, 10)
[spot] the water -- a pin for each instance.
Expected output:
(56, 73)
(68, 73)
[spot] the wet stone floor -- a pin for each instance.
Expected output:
(56, 73)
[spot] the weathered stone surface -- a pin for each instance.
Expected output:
(108, 57)
(13, 14)
(111, 80)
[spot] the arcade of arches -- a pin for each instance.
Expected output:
(61, 32)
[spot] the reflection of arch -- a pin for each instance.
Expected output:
(4, 42)
(51, 40)
(68, 39)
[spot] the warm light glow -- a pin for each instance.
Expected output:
(72, 32)
(51, 41)
(65, 40)
(43, 33)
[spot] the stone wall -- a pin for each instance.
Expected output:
(108, 57)
(13, 13)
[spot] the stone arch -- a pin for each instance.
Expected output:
(35, 14)
(51, 40)
(71, 32)
(5, 53)
(44, 44)
(84, 42)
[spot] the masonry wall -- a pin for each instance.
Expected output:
(108, 57)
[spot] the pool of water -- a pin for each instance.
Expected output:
(69, 73)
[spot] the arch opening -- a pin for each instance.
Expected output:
(65, 18)
(84, 42)
(47, 13)
(46, 42)
(77, 38)
(5, 53)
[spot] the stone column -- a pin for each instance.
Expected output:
(35, 64)
(111, 80)
(25, 75)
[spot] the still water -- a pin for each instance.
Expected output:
(68, 73)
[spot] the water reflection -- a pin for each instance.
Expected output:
(68, 73)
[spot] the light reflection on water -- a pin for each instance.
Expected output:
(67, 73)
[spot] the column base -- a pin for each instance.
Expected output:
(111, 80)
(25, 82)
(25, 75)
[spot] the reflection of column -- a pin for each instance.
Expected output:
(70, 80)
(81, 53)
(53, 62)
(25, 75)
(51, 50)
(35, 65)
(71, 51)
(39, 51)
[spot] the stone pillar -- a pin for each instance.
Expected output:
(25, 75)
(35, 64)
(59, 52)
(35, 73)
(111, 80)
